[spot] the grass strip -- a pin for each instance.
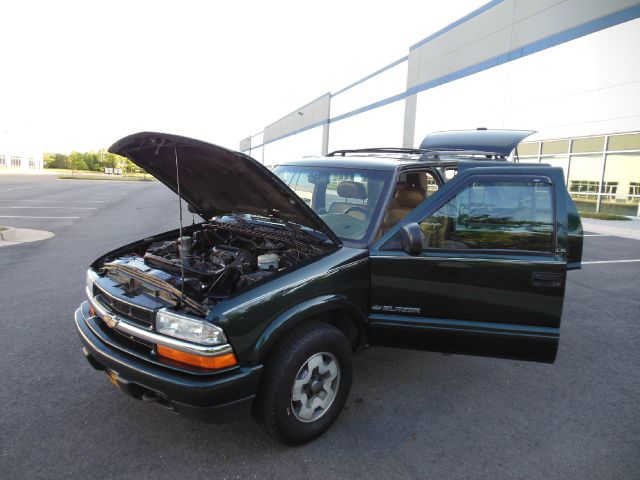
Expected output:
(112, 178)
(603, 216)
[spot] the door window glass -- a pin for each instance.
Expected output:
(410, 191)
(513, 215)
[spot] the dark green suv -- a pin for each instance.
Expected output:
(260, 307)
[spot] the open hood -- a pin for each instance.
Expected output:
(496, 142)
(217, 181)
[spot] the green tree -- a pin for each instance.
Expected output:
(95, 161)
(77, 161)
(55, 160)
(129, 166)
(92, 161)
(109, 160)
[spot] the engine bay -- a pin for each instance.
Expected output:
(213, 260)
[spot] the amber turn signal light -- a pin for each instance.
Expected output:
(92, 311)
(218, 361)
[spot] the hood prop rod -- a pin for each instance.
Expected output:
(180, 249)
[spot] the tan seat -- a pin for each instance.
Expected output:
(348, 189)
(406, 198)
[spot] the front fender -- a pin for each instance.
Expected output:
(339, 280)
(300, 313)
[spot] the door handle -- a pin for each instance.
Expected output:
(546, 279)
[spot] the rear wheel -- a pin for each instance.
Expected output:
(306, 383)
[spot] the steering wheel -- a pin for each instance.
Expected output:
(357, 208)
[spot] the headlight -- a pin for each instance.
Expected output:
(187, 328)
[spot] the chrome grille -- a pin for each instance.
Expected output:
(140, 315)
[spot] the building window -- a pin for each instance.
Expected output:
(32, 163)
(624, 142)
(555, 147)
(3, 161)
(587, 189)
(584, 179)
(596, 183)
(610, 189)
(530, 148)
(587, 145)
(622, 170)
(16, 161)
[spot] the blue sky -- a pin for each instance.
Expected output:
(80, 75)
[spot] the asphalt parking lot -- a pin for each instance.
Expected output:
(410, 414)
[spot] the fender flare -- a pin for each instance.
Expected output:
(299, 313)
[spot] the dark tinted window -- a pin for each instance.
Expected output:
(514, 215)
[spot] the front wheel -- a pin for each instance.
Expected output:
(306, 383)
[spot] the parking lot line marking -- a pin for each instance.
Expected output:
(27, 216)
(52, 201)
(58, 208)
(11, 189)
(611, 261)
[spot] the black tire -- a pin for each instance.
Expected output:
(274, 408)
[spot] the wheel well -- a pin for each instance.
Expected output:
(344, 321)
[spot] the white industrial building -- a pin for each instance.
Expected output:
(568, 69)
(17, 153)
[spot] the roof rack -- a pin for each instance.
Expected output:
(435, 154)
(407, 151)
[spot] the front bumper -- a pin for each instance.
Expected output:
(215, 398)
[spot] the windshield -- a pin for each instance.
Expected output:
(347, 200)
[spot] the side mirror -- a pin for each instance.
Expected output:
(411, 239)
(190, 208)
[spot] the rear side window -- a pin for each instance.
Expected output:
(497, 215)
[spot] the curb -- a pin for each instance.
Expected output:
(20, 235)
(7, 234)
(622, 229)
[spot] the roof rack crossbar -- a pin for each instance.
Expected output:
(425, 154)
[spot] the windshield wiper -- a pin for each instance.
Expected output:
(238, 218)
(280, 229)
(296, 230)
(291, 227)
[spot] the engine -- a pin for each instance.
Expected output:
(216, 262)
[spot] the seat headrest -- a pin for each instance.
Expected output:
(349, 189)
(410, 196)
